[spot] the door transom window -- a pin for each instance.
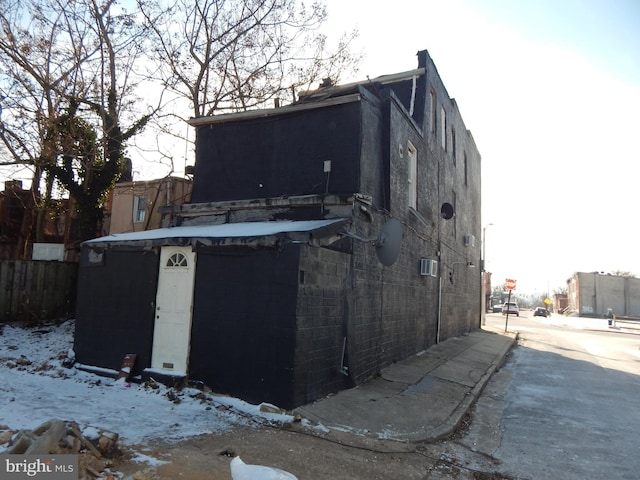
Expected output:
(177, 260)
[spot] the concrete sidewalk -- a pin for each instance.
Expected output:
(422, 398)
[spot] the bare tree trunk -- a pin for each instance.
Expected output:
(26, 228)
(43, 209)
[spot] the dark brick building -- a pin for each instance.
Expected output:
(295, 288)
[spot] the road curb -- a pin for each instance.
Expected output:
(449, 426)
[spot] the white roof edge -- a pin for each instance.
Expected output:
(224, 230)
(268, 112)
(384, 79)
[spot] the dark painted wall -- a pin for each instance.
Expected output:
(115, 308)
(322, 316)
(269, 324)
(372, 179)
(456, 165)
(393, 310)
(244, 322)
(278, 156)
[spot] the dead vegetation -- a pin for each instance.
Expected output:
(96, 455)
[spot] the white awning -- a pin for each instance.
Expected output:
(306, 231)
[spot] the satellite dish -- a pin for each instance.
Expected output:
(447, 211)
(389, 242)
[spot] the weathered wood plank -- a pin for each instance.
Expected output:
(36, 290)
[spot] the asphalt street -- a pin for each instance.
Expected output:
(565, 405)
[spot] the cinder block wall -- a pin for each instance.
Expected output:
(593, 294)
(393, 309)
(322, 311)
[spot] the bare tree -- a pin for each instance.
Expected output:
(623, 273)
(35, 77)
(69, 89)
(70, 71)
(234, 55)
(110, 104)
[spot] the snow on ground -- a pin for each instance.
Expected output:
(35, 387)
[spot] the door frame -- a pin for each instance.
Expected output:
(172, 333)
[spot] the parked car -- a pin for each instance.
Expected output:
(497, 308)
(540, 312)
(512, 308)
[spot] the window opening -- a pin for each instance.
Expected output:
(443, 128)
(412, 177)
(139, 209)
(432, 119)
(453, 144)
(177, 260)
(465, 169)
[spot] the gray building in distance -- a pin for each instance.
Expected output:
(325, 240)
(594, 294)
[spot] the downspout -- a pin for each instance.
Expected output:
(413, 96)
(627, 300)
(439, 307)
(594, 295)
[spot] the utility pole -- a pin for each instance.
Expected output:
(483, 277)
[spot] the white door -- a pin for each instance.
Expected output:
(174, 298)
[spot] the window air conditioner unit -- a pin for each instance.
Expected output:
(428, 267)
(469, 241)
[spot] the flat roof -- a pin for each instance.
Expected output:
(320, 98)
(268, 112)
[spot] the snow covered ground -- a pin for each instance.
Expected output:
(36, 387)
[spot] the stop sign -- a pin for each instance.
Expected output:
(510, 284)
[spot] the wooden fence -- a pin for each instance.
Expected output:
(32, 290)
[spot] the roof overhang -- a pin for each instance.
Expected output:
(270, 112)
(253, 234)
(320, 98)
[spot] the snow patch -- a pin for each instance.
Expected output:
(37, 386)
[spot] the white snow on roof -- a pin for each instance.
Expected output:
(225, 230)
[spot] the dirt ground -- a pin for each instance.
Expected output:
(310, 456)
(302, 454)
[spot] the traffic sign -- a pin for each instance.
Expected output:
(510, 284)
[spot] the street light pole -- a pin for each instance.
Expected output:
(484, 244)
(483, 300)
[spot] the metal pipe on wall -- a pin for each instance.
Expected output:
(439, 308)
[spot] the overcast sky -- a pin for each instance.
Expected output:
(550, 90)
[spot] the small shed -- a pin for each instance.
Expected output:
(216, 304)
